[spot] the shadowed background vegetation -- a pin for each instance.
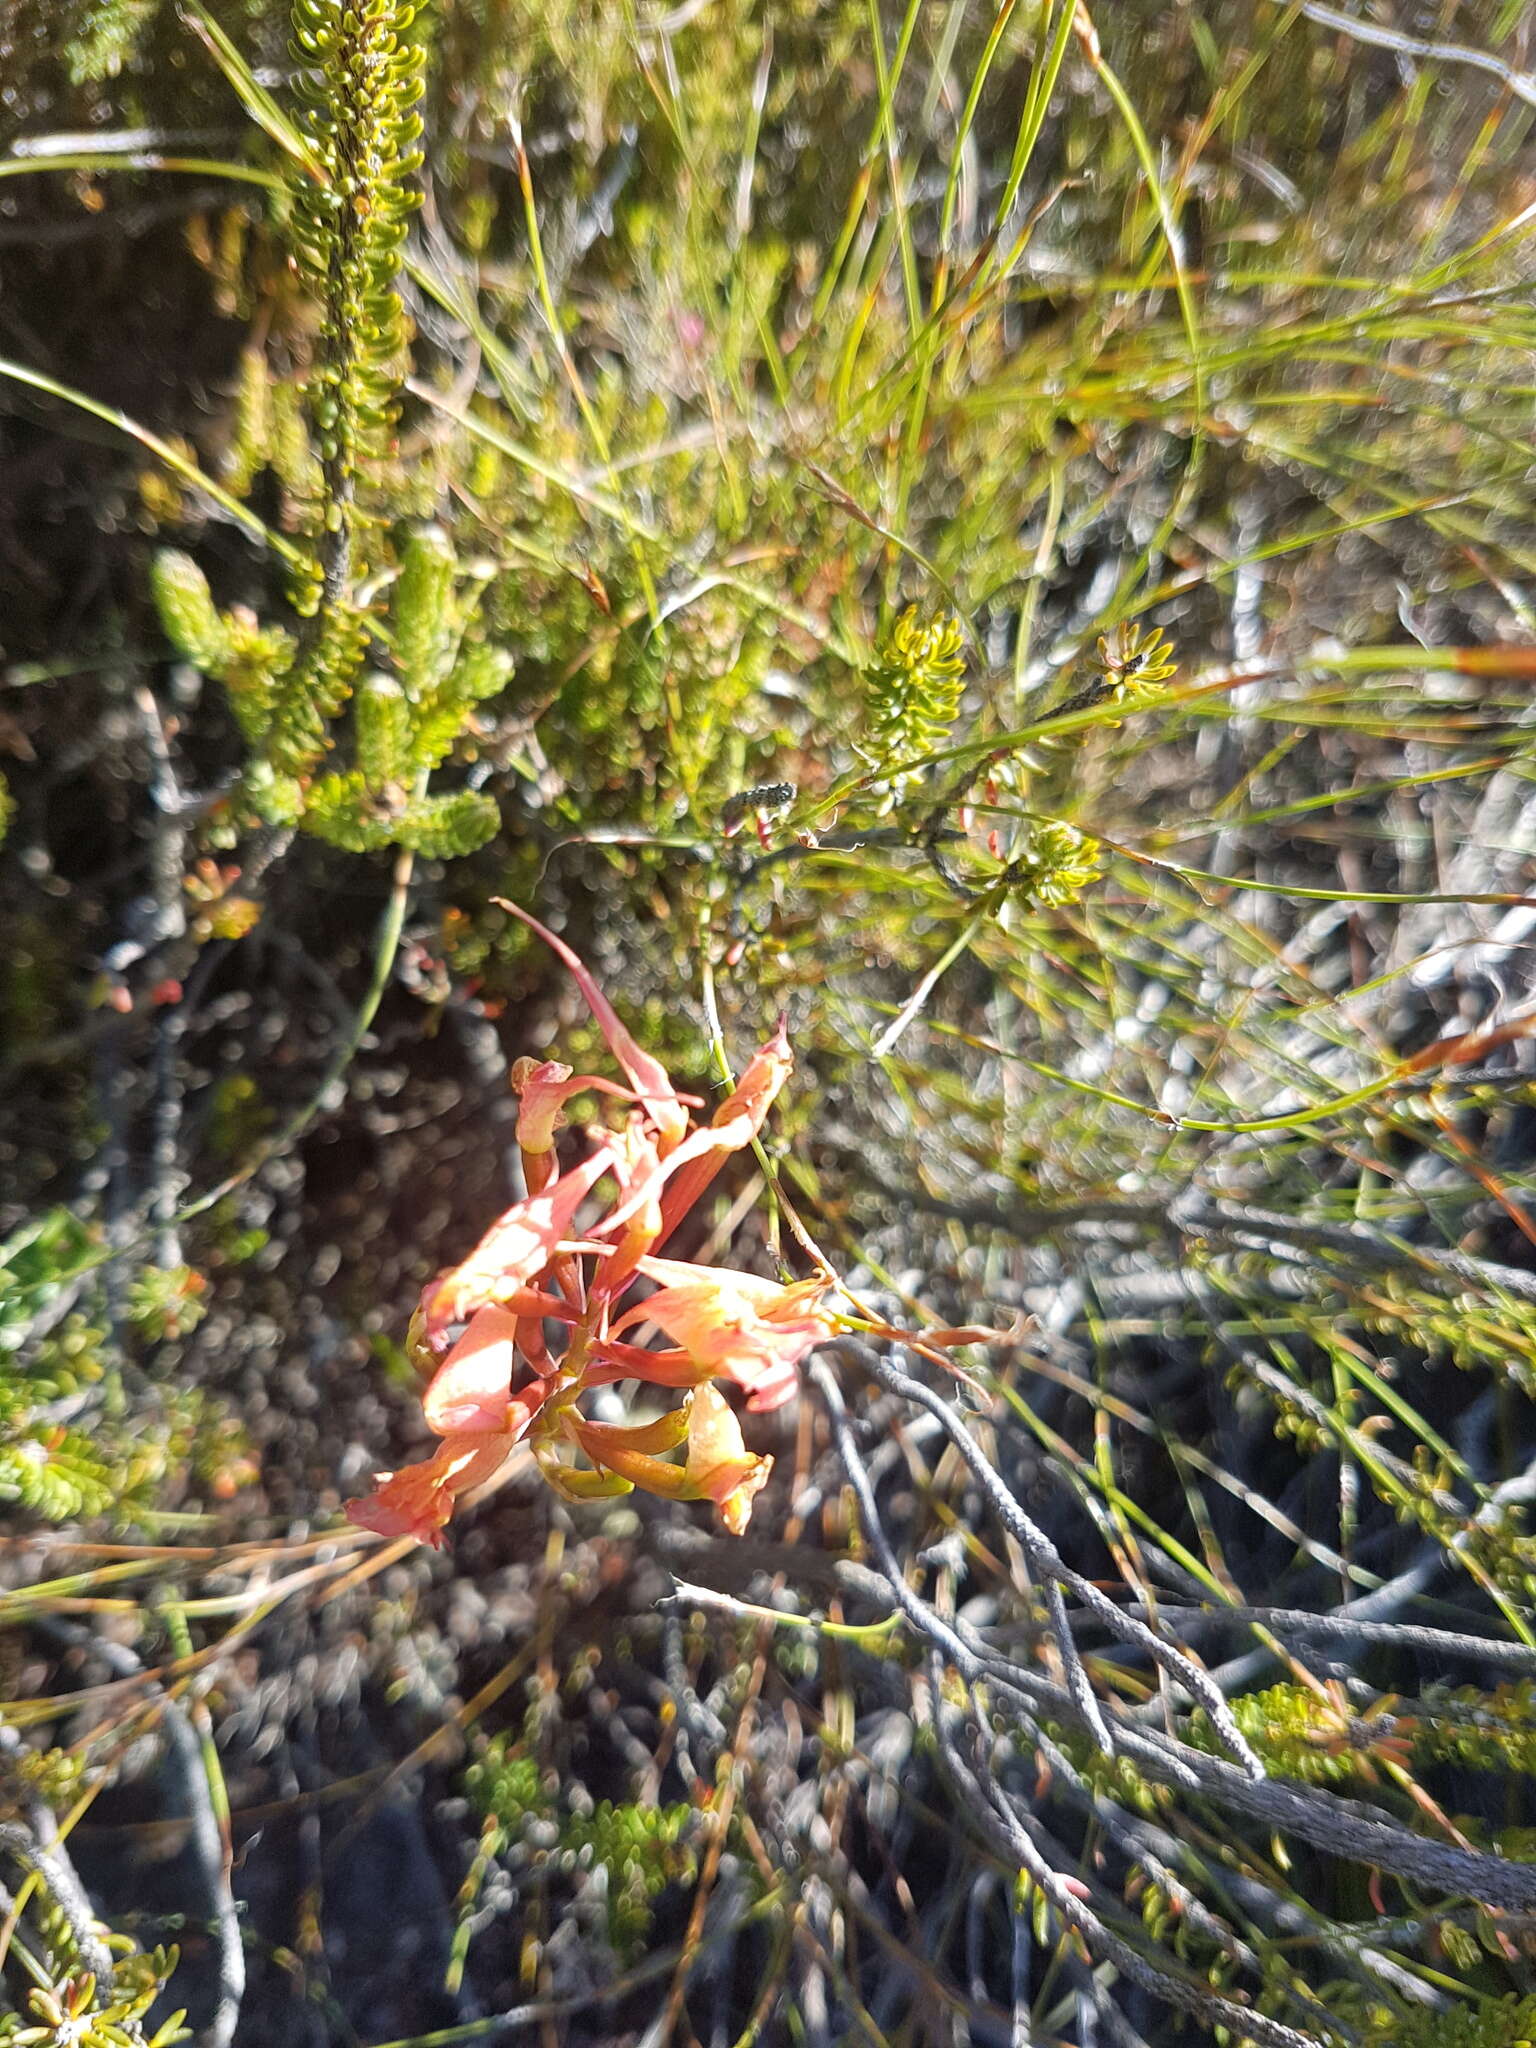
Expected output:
(1004, 534)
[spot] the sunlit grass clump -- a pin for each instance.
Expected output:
(1004, 537)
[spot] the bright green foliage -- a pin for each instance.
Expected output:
(442, 675)
(345, 811)
(316, 687)
(1297, 1733)
(33, 1263)
(111, 34)
(359, 83)
(276, 799)
(1133, 665)
(338, 809)
(166, 1302)
(447, 827)
(642, 1848)
(402, 729)
(60, 1472)
(381, 727)
(55, 1775)
(423, 611)
(230, 646)
(269, 433)
(54, 1474)
(1495, 2023)
(250, 440)
(509, 1788)
(1325, 1740)
(359, 87)
(1493, 1731)
(69, 1446)
(480, 672)
(915, 689)
(190, 619)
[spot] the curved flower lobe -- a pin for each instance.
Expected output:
(720, 1467)
(753, 1331)
(514, 1251)
(647, 1075)
(734, 1124)
(418, 1499)
(470, 1390)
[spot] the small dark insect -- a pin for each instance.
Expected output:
(767, 796)
(1129, 664)
(1128, 651)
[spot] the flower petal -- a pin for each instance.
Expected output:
(515, 1250)
(734, 1325)
(470, 1390)
(648, 1076)
(543, 1091)
(418, 1499)
(734, 1124)
(720, 1467)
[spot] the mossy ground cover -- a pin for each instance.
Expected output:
(1005, 535)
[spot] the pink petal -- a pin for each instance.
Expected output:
(768, 1389)
(650, 1078)
(720, 1467)
(544, 1091)
(724, 1281)
(515, 1250)
(471, 1388)
(387, 1517)
(418, 1499)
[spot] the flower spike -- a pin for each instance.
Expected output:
(510, 1340)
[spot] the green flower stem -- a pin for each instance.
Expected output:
(93, 161)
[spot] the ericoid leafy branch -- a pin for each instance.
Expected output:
(348, 206)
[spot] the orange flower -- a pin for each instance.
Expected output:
(720, 1467)
(631, 1449)
(544, 1088)
(514, 1251)
(734, 1124)
(530, 1270)
(471, 1406)
(471, 1390)
(647, 1076)
(734, 1325)
(418, 1500)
